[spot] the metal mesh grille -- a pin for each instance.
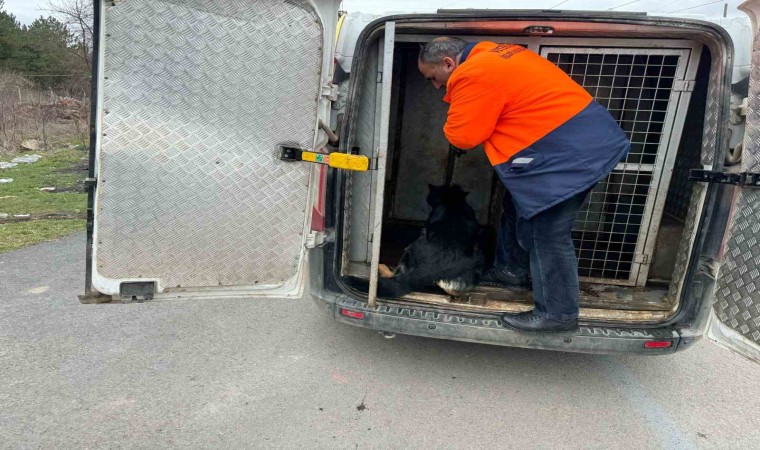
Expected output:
(608, 226)
(635, 85)
(635, 89)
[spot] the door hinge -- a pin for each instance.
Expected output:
(90, 183)
(750, 179)
(683, 85)
(330, 92)
(742, 110)
(641, 258)
(317, 238)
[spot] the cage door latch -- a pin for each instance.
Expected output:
(683, 85)
(750, 179)
(641, 258)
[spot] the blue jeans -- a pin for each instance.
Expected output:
(543, 246)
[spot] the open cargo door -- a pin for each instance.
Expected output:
(736, 321)
(194, 98)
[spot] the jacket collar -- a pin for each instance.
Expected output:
(466, 52)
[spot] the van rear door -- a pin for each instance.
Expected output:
(194, 99)
(737, 293)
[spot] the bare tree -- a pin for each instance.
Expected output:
(44, 116)
(79, 16)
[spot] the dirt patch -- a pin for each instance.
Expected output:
(30, 217)
(77, 168)
(77, 188)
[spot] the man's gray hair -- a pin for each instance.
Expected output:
(434, 51)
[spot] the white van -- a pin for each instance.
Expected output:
(205, 185)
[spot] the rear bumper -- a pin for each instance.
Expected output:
(419, 320)
(487, 329)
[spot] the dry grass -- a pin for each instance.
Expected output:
(28, 112)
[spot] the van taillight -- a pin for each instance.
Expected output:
(657, 344)
(351, 314)
(318, 211)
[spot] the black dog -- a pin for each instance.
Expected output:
(446, 253)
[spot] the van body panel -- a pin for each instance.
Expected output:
(737, 297)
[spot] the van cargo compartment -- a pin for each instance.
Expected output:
(654, 88)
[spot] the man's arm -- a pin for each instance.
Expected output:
(475, 109)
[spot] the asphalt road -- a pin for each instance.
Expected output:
(274, 373)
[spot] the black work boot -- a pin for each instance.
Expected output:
(529, 321)
(504, 277)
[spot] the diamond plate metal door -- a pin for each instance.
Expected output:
(737, 296)
(196, 94)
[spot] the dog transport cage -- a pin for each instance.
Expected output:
(647, 91)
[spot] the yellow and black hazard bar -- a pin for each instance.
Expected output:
(336, 160)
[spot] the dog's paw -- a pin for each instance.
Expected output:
(384, 271)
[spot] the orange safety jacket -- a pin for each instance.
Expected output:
(536, 124)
